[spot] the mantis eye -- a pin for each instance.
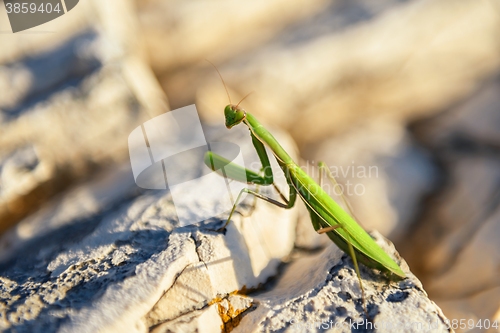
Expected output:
(234, 115)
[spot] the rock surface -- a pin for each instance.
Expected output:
(321, 292)
(454, 247)
(65, 100)
(74, 88)
(109, 257)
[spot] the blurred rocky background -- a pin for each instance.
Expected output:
(400, 98)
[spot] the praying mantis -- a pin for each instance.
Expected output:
(326, 215)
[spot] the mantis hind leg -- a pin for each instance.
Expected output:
(316, 218)
(327, 229)
(254, 203)
(323, 168)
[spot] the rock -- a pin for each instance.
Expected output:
(383, 173)
(21, 45)
(84, 130)
(33, 76)
(454, 246)
(203, 321)
(470, 125)
(224, 314)
(74, 105)
(25, 181)
(321, 292)
(107, 257)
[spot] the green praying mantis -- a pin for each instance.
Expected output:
(326, 215)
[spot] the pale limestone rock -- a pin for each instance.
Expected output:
(74, 95)
(454, 246)
(322, 289)
(108, 257)
(437, 50)
(203, 321)
(223, 314)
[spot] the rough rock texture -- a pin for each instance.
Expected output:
(346, 77)
(321, 292)
(108, 257)
(67, 110)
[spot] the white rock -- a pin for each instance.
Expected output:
(105, 256)
(203, 321)
(323, 289)
(454, 246)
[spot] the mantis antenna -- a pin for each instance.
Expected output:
(244, 98)
(224, 83)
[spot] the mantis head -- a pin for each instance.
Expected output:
(234, 115)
